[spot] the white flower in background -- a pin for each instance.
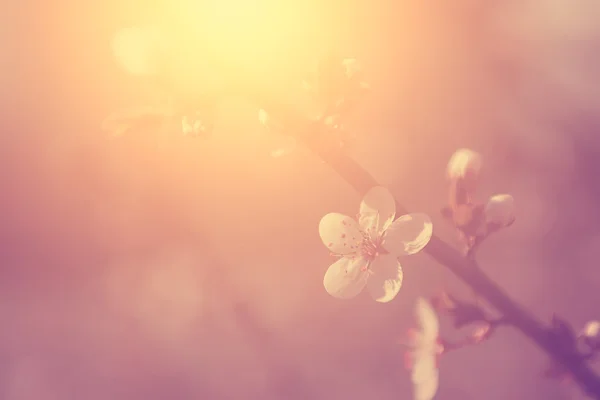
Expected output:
(500, 210)
(425, 349)
(139, 51)
(590, 336)
(464, 164)
(369, 248)
(192, 126)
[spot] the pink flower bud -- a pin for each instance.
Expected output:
(500, 210)
(591, 329)
(464, 164)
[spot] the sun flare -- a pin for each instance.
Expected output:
(257, 37)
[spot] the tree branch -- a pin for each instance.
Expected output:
(465, 269)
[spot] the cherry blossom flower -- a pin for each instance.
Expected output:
(500, 210)
(368, 248)
(425, 349)
(193, 125)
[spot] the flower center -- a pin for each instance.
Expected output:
(371, 247)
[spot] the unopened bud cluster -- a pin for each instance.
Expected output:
(473, 219)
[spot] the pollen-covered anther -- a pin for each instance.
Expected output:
(372, 248)
(369, 249)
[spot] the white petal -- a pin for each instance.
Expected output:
(409, 234)
(377, 210)
(346, 277)
(500, 209)
(425, 377)
(424, 367)
(386, 278)
(428, 320)
(463, 162)
(591, 329)
(340, 233)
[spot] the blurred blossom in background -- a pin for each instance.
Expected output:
(160, 266)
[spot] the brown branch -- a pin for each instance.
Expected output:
(466, 269)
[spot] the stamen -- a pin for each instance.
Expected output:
(371, 247)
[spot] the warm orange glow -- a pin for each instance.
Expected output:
(138, 50)
(245, 29)
(262, 37)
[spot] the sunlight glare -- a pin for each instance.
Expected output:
(139, 50)
(249, 34)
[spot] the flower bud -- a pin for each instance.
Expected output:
(590, 337)
(591, 329)
(464, 164)
(500, 210)
(481, 333)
